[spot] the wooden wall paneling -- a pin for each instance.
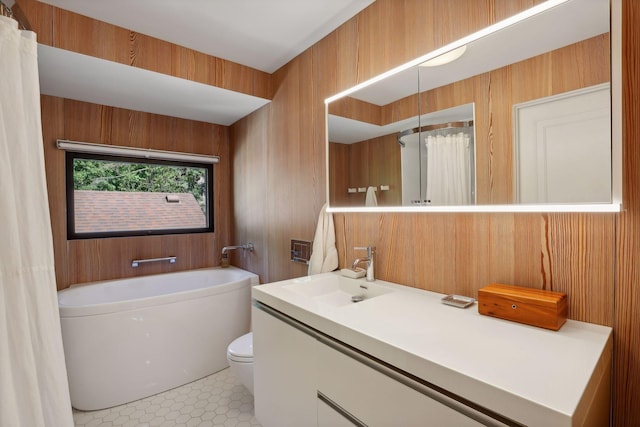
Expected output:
(581, 65)
(289, 201)
(249, 145)
(499, 148)
(87, 36)
(150, 53)
(53, 126)
(577, 243)
(372, 55)
(627, 291)
(101, 259)
(339, 159)
(343, 54)
(503, 9)
(385, 169)
(531, 265)
(401, 109)
(356, 109)
(190, 64)
(105, 259)
(419, 31)
(483, 125)
(359, 169)
(450, 24)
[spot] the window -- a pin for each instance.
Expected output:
(110, 196)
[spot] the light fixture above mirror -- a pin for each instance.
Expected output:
(400, 85)
(445, 58)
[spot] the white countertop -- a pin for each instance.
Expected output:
(526, 373)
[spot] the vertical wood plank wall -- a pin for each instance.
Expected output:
(584, 255)
(79, 261)
(279, 172)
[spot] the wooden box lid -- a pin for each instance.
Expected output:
(536, 307)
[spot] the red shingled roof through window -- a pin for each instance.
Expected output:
(103, 211)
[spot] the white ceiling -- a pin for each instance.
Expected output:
(257, 33)
(71, 75)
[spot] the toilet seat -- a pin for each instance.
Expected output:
(241, 349)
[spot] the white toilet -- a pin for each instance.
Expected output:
(240, 357)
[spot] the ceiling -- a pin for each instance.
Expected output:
(260, 34)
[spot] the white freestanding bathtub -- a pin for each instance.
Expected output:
(132, 338)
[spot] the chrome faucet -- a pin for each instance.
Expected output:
(224, 261)
(247, 247)
(368, 259)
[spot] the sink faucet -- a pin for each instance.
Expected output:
(368, 259)
(224, 261)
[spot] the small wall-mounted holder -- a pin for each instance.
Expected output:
(300, 251)
(384, 188)
(352, 190)
(362, 189)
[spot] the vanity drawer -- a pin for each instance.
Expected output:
(545, 309)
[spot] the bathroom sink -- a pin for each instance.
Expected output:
(336, 291)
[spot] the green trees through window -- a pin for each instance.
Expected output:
(101, 175)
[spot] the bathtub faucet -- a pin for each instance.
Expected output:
(247, 247)
(224, 262)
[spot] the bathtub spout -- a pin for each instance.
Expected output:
(247, 247)
(224, 260)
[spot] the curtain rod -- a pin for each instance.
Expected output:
(146, 153)
(427, 128)
(5, 10)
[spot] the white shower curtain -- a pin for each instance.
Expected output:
(33, 379)
(448, 169)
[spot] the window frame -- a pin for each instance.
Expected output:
(70, 156)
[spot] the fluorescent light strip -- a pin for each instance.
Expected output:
(115, 150)
(542, 7)
(596, 207)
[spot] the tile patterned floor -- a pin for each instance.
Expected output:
(216, 400)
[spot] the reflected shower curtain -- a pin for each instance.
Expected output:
(448, 169)
(33, 379)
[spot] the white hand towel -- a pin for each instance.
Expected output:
(371, 199)
(324, 255)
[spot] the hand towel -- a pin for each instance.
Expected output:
(324, 255)
(371, 199)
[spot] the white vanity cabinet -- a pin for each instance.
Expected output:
(376, 399)
(299, 380)
(284, 377)
(322, 360)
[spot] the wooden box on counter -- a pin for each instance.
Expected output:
(546, 309)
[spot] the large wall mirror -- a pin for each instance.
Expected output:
(520, 116)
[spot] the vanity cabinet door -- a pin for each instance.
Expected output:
(378, 400)
(329, 417)
(284, 373)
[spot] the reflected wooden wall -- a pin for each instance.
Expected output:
(374, 162)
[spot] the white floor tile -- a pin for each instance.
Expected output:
(218, 400)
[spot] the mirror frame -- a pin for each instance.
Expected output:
(616, 121)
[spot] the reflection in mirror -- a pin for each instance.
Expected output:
(554, 53)
(423, 160)
(444, 144)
